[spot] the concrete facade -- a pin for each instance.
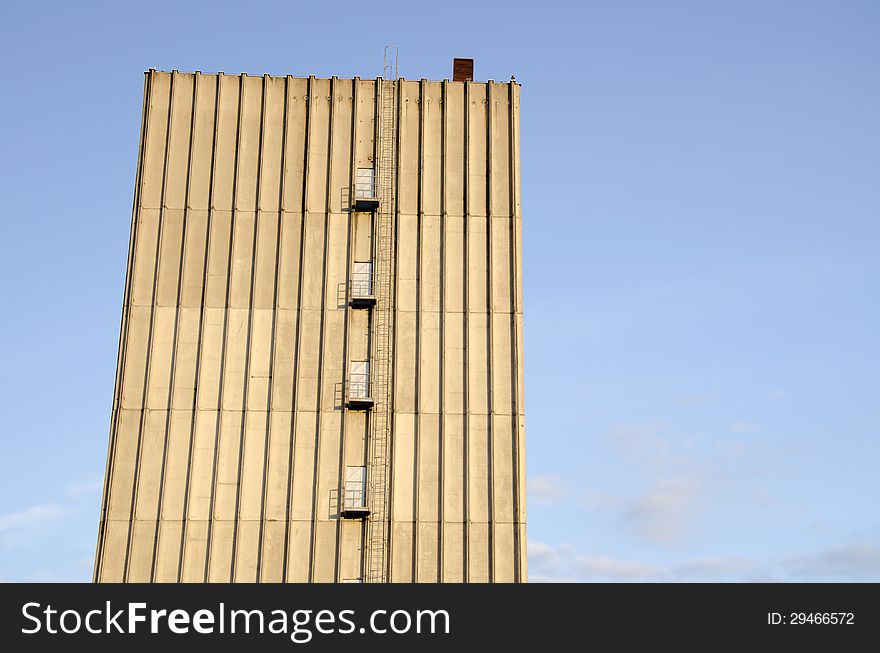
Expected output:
(229, 433)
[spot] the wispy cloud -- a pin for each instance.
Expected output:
(715, 568)
(28, 533)
(663, 514)
(32, 516)
(601, 501)
(859, 562)
(640, 441)
(546, 488)
(603, 568)
(555, 564)
(549, 563)
(546, 559)
(564, 563)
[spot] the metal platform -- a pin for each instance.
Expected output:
(358, 403)
(351, 500)
(362, 301)
(365, 203)
(354, 512)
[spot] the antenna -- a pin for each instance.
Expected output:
(389, 64)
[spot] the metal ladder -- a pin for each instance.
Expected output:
(382, 342)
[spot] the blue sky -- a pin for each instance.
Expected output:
(704, 216)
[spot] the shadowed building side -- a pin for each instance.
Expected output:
(272, 244)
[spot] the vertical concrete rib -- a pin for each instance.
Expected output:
(343, 421)
(515, 363)
(321, 345)
(489, 326)
(304, 208)
(250, 332)
(417, 422)
(270, 406)
(225, 336)
(123, 329)
(172, 372)
(466, 120)
(441, 489)
(143, 407)
(199, 342)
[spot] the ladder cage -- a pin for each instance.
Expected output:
(389, 62)
(376, 550)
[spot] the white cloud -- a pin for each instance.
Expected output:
(543, 555)
(32, 516)
(858, 562)
(545, 558)
(564, 563)
(744, 427)
(641, 442)
(610, 569)
(663, 514)
(541, 578)
(714, 569)
(548, 563)
(546, 488)
(601, 501)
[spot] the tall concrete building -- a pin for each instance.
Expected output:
(320, 361)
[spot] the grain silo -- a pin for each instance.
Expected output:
(320, 364)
